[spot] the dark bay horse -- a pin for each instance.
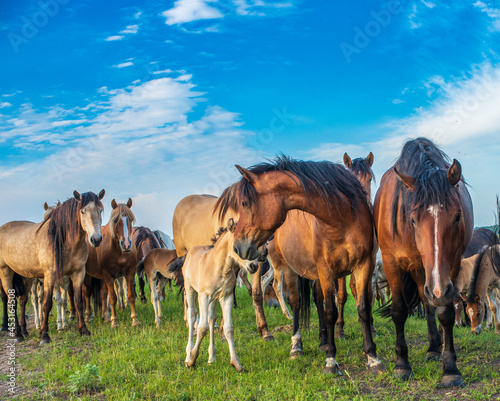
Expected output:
(423, 216)
(327, 205)
(51, 249)
(145, 240)
(116, 257)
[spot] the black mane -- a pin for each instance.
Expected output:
(361, 167)
(475, 274)
(328, 180)
(144, 234)
(428, 165)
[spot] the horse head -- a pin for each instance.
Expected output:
(362, 168)
(250, 265)
(91, 208)
(121, 226)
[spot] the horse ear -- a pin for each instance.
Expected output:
(230, 225)
(46, 206)
(251, 177)
(454, 173)
(77, 195)
(114, 205)
(347, 161)
(369, 159)
(408, 181)
(101, 194)
(129, 203)
(58, 204)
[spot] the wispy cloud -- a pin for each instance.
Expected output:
(191, 10)
(492, 12)
(258, 7)
(123, 65)
(132, 29)
(114, 38)
(5, 104)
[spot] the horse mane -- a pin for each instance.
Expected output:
(217, 235)
(328, 180)
(64, 226)
(116, 213)
(475, 273)
(160, 239)
(361, 167)
(145, 233)
(428, 165)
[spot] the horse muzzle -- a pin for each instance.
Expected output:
(95, 240)
(126, 246)
(252, 266)
(437, 297)
(246, 251)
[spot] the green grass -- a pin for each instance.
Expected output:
(146, 363)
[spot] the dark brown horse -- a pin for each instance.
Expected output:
(336, 240)
(145, 240)
(51, 249)
(22, 287)
(423, 216)
(116, 257)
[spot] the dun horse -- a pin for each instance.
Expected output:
(336, 233)
(210, 271)
(116, 257)
(423, 216)
(52, 249)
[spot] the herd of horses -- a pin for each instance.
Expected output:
(312, 222)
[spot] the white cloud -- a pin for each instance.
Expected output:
(429, 4)
(167, 71)
(114, 38)
(492, 12)
(138, 14)
(463, 120)
(5, 104)
(123, 65)
(191, 10)
(257, 7)
(413, 16)
(133, 29)
(398, 101)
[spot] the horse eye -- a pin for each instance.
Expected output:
(83, 211)
(458, 217)
(412, 221)
(115, 220)
(244, 204)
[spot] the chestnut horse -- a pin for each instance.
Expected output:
(51, 249)
(423, 216)
(194, 223)
(336, 233)
(116, 257)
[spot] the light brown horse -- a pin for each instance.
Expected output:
(210, 272)
(194, 223)
(116, 257)
(52, 249)
(336, 234)
(423, 216)
(155, 266)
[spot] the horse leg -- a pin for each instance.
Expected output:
(110, 286)
(202, 329)
(142, 295)
(34, 302)
(362, 278)
(226, 305)
(495, 311)
(77, 281)
(118, 289)
(154, 298)
(258, 304)
(212, 316)
(434, 350)
(57, 296)
(131, 298)
(86, 293)
(320, 307)
(23, 301)
(5, 319)
(48, 287)
(341, 300)
(458, 306)
(277, 265)
(291, 279)
(160, 286)
(72, 305)
(190, 312)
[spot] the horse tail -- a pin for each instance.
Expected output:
(140, 268)
(177, 264)
(411, 297)
(304, 302)
(95, 288)
(18, 284)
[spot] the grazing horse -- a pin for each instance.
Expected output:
(194, 222)
(116, 257)
(51, 249)
(210, 271)
(336, 233)
(423, 216)
(145, 240)
(155, 266)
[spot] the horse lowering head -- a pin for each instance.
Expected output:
(435, 216)
(90, 214)
(362, 168)
(475, 310)
(250, 265)
(121, 226)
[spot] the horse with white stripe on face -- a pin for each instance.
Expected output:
(423, 216)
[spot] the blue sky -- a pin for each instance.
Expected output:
(157, 100)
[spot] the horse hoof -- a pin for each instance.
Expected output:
(451, 381)
(189, 365)
(432, 356)
(296, 354)
(377, 369)
(18, 340)
(136, 324)
(403, 374)
(45, 340)
(268, 337)
(241, 369)
(329, 370)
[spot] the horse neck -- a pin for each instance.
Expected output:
(221, 254)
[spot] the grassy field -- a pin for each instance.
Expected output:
(146, 363)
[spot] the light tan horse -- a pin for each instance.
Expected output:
(52, 249)
(210, 271)
(194, 223)
(156, 266)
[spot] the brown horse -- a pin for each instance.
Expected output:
(423, 216)
(52, 249)
(338, 241)
(194, 223)
(145, 240)
(116, 257)
(155, 266)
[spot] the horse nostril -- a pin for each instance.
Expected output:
(428, 293)
(449, 291)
